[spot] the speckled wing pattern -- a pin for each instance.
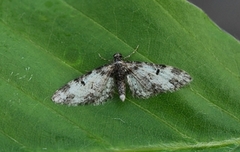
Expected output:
(94, 88)
(146, 79)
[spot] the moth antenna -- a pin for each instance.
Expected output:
(134, 51)
(103, 58)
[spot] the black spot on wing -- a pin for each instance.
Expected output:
(157, 72)
(162, 66)
(90, 72)
(136, 62)
(76, 80)
(83, 83)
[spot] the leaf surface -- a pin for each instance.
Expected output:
(46, 43)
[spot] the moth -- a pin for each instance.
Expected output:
(144, 80)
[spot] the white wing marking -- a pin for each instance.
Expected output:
(95, 88)
(146, 79)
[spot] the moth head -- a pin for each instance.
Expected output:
(117, 57)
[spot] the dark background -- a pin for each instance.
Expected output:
(225, 13)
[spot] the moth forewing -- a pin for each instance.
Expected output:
(144, 80)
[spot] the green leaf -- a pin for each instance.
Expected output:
(46, 43)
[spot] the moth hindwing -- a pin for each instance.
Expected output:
(144, 80)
